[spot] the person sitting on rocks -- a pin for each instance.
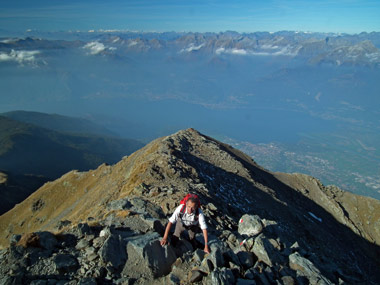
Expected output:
(187, 217)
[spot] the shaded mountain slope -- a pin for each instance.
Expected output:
(26, 148)
(361, 214)
(15, 188)
(230, 185)
(31, 155)
(58, 122)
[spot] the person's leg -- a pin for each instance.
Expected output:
(179, 228)
(192, 231)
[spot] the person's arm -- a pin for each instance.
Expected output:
(167, 230)
(203, 225)
(205, 236)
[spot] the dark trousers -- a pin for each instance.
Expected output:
(191, 230)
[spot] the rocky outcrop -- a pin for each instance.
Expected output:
(264, 229)
(110, 255)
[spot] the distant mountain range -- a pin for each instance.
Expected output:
(46, 146)
(316, 94)
(314, 48)
(59, 123)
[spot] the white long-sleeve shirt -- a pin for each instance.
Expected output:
(189, 219)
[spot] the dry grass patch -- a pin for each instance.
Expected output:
(123, 214)
(29, 240)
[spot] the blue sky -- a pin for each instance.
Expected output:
(344, 16)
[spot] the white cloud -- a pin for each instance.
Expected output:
(270, 51)
(231, 51)
(373, 57)
(192, 47)
(20, 56)
(239, 51)
(269, 46)
(8, 41)
(133, 43)
(220, 50)
(95, 47)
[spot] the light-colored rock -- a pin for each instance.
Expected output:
(113, 251)
(305, 267)
(250, 225)
(146, 256)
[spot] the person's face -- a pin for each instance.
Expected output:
(190, 207)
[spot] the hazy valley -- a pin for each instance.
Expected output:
(296, 102)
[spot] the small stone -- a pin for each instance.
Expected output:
(196, 276)
(82, 244)
(89, 238)
(250, 274)
(231, 238)
(87, 281)
(172, 279)
(98, 242)
(199, 255)
(65, 263)
(92, 256)
(90, 250)
(288, 280)
(246, 259)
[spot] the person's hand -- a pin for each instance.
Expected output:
(164, 241)
(206, 249)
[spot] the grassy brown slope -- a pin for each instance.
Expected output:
(76, 196)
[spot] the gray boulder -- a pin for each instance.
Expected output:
(250, 225)
(122, 204)
(246, 259)
(182, 247)
(87, 281)
(250, 274)
(171, 279)
(147, 208)
(288, 280)
(114, 251)
(207, 265)
(306, 268)
(216, 258)
(65, 263)
(47, 240)
(153, 224)
(196, 276)
(147, 257)
(221, 276)
(83, 229)
(265, 251)
(199, 254)
(241, 281)
(82, 244)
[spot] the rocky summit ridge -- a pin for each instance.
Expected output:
(103, 226)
